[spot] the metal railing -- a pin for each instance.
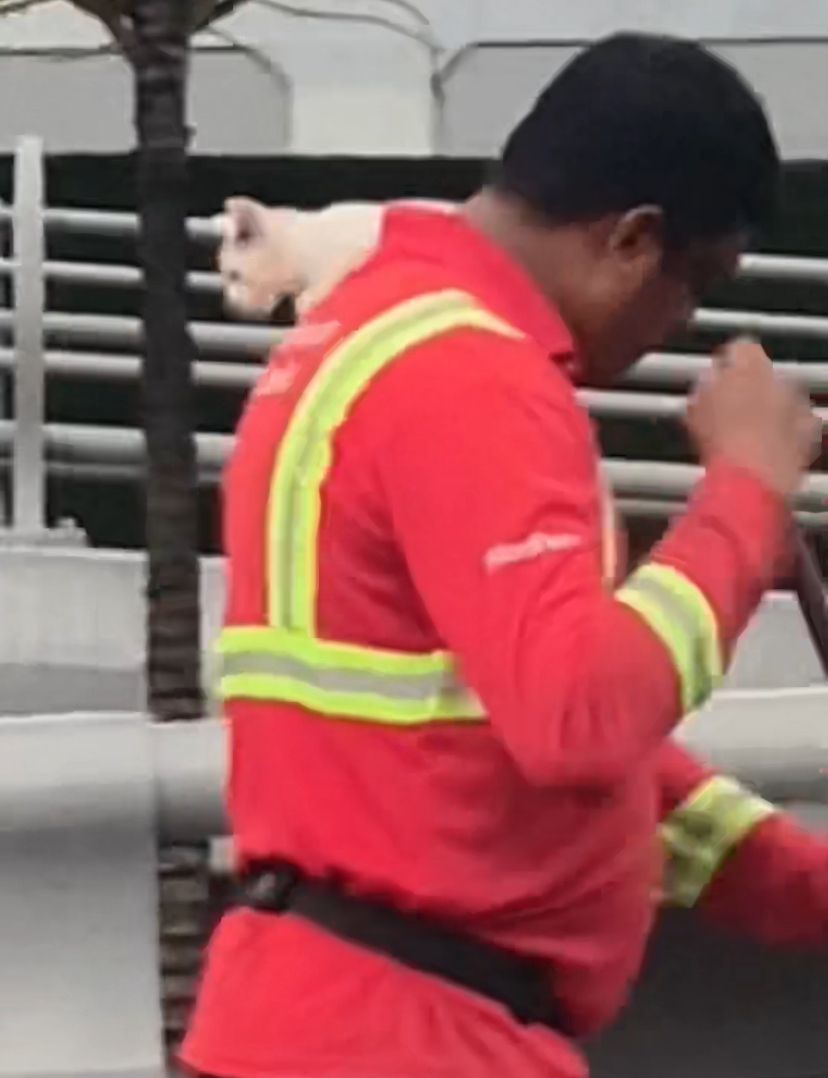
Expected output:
(77, 345)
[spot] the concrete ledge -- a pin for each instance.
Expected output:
(81, 613)
(82, 608)
(39, 689)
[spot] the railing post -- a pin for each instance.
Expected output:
(6, 376)
(28, 463)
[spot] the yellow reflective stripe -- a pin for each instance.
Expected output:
(285, 661)
(305, 452)
(681, 617)
(702, 832)
(341, 679)
(264, 640)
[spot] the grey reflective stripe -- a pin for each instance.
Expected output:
(678, 614)
(419, 688)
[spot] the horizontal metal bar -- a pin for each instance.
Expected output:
(131, 276)
(97, 473)
(129, 469)
(610, 404)
(116, 275)
(753, 266)
(115, 330)
(674, 371)
(800, 269)
(784, 268)
(91, 444)
(658, 479)
(96, 222)
(101, 472)
(113, 223)
(242, 375)
(812, 327)
(678, 370)
(623, 404)
(615, 404)
(659, 509)
(231, 337)
(809, 327)
(87, 443)
(126, 368)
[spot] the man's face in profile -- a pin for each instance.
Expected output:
(641, 292)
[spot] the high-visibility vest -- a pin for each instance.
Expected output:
(284, 660)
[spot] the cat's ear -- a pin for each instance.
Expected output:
(245, 220)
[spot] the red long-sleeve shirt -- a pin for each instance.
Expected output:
(462, 510)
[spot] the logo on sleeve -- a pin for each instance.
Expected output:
(534, 546)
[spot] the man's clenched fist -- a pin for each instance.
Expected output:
(745, 412)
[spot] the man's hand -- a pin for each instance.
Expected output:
(748, 414)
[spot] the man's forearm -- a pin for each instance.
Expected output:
(745, 865)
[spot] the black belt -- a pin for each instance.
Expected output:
(517, 983)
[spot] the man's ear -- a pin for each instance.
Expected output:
(639, 233)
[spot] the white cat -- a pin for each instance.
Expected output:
(269, 253)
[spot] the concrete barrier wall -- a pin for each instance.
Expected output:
(72, 632)
(72, 628)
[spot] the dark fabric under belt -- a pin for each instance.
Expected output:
(519, 984)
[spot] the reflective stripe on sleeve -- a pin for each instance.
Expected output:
(342, 680)
(702, 832)
(682, 618)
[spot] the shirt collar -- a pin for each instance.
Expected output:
(479, 266)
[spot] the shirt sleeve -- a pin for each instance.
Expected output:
(775, 886)
(751, 869)
(680, 773)
(489, 472)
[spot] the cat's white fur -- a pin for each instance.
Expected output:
(269, 253)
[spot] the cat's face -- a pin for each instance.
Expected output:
(255, 257)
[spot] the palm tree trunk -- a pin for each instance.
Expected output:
(159, 55)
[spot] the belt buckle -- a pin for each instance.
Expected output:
(270, 889)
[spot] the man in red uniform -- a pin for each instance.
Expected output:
(454, 796)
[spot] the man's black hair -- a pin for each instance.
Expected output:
(644, 120)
